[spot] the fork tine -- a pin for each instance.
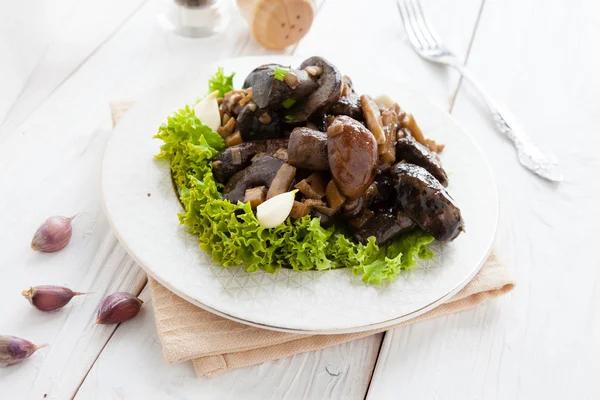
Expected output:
(421, 23)
(414, 35)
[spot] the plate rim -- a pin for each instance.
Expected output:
(362, 328)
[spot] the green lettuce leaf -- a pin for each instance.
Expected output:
(233, 236)
(188, 145)
(221, 82)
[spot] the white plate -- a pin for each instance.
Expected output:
(142, 208)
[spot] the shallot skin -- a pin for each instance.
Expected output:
(14, 350)
(118, 307)
(49, 298)
(53, 235)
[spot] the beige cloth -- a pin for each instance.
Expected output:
(216, 344)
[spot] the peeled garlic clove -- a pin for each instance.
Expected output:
(13, 350)
(274, 211)
(49, 298)
(53, 234)
(118, 307)
(207, 111)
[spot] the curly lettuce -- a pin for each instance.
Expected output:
(188, 145)
(221, 82)
(232, 235)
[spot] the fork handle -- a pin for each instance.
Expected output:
(505, 122)
(530, 156)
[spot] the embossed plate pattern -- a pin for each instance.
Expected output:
(142, 208)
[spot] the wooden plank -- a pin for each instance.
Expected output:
(132, 366)
(63, 48)
(27, 28)
(542, 341)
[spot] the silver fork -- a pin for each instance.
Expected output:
(428, 45)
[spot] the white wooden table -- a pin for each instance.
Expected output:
(63, 61)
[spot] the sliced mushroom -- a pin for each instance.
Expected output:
(233, 140)
(330, 212)
(426, 202)
(312, 187)
(314, 70)
(352, 153)
(260, 173)
(334, 197)
(299, 210)
(387, 151)
(373, 117)
(282, 154)
(307, 148)
(329, 91)
(314, 203)
(409, 150)
(409, 122)
(254, 125)
(349, 88)
(282, 181)
(255, 196)
(235, 158)
(272, 93)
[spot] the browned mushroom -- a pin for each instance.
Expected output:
(272, 93)
(307, 149)
(249, 81)
(329, 91)
(426, 202)
(362, 220)
(384, 227)
(354, 208)
(260, 173)
(352, 154)
(235, 158)
(256, 124)
(349, 105)
(409, 150)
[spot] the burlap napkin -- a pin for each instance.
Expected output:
(216, 344)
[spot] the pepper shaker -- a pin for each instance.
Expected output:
(276, 24)
(196, 18)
